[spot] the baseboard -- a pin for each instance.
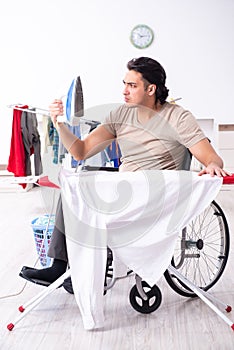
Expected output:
(4, 171)
(3, 166)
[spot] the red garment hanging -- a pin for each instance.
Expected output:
(16, 161)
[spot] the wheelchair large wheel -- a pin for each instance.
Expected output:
(201, 251)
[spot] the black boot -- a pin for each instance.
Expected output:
(45, 276)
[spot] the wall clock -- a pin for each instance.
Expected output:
(142, 36)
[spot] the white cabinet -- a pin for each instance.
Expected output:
(208, 127)
(226, 145)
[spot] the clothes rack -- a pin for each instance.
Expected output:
(41, 111)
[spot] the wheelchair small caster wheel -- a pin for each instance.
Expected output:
(154, 298)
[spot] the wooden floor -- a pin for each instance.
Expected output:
(179, 324)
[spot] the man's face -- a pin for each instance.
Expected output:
(134, 88)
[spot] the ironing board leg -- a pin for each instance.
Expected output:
(32, 303)
(201, 294)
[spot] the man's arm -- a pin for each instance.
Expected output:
(205, 153)
(95, 142)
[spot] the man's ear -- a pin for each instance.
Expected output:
(152, 89)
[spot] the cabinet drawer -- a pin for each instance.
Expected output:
(226, 139)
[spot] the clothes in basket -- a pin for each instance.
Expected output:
(42, 229)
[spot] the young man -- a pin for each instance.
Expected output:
(151, 133)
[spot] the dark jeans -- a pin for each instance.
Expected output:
(58, 248)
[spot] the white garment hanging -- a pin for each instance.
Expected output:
(137, 214)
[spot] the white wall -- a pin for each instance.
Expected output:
(45, 44)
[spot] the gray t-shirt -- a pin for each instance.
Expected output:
(160, 143)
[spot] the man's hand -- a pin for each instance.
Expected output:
(205, 154)
(56, 109)
(213, 169)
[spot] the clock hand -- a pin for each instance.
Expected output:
(140, 35)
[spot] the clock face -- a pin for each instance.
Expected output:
(142, 36)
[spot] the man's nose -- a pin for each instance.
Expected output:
(125, 90)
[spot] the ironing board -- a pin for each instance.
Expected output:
(136, 214)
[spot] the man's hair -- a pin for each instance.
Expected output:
(153, 73)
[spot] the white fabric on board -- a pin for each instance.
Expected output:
(137, 214)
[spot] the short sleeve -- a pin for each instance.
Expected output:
(189, 132)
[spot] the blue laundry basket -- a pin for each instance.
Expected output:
(42, 229)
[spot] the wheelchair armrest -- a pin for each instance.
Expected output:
(96, 168)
